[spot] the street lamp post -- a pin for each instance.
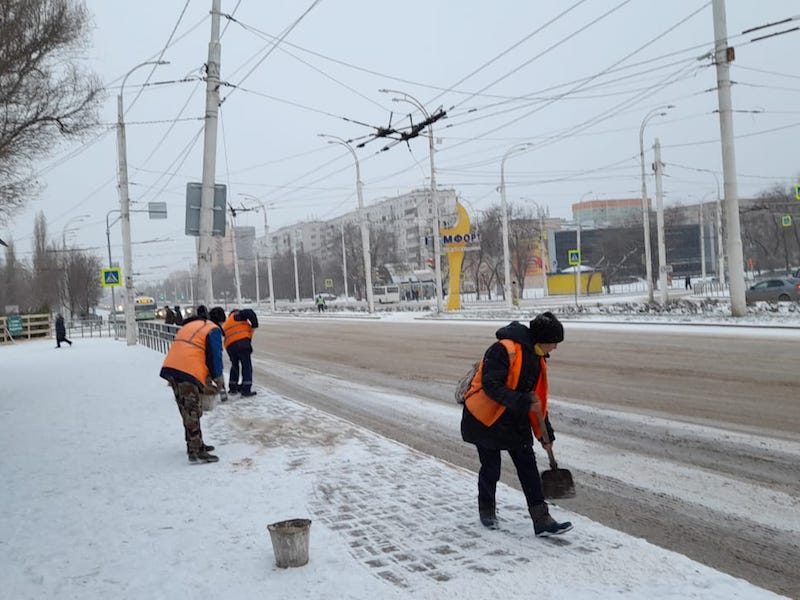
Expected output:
(504, 221)
(64, 251)
(268, 245)
(362, 220)
(437, 236)
(124, 206)
(656, 112)
(110, 266)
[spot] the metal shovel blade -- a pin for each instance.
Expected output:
(558, 483)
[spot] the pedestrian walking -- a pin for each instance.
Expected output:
(320, 303)
(687, 283)
(61, 331)
(501, 406)
(238, 330)
(169, 316)
(178, 316)
(193, 367)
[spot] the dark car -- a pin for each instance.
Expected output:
(777, 289)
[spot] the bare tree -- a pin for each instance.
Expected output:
(14, 281)
(81, 281)
(44, 276)
(45, 96)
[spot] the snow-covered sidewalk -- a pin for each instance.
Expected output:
(100, 502)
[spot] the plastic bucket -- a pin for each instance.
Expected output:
(209, 402)
(290, 542)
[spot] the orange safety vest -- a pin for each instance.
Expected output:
(188, 351)
(486, 410)
(236, 330)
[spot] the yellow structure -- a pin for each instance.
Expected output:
(564, 283)
(454, 242)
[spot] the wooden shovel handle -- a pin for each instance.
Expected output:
(546, 438)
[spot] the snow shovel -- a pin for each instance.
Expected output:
(556, 483)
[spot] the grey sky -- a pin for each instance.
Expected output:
(587, 79)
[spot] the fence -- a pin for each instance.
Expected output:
(24, 327)
(156, 336)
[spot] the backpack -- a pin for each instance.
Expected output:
(462, 387)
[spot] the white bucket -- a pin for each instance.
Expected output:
(290, 542)
(209, 402)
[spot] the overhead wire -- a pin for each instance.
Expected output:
(285, 33)
(160, 55)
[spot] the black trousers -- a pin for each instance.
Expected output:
(527, 471)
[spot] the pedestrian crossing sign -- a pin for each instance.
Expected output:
(797, 191)
(111, 277)
(786, 220)
(574, 257)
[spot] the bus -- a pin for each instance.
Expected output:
(386, 294)
(144, 308)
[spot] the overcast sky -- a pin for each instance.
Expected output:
(574, 78)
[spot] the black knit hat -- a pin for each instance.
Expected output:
(217, 315)
(201, 311)
(546, 329)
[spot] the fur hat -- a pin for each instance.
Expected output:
(546, 329)
(217, 315)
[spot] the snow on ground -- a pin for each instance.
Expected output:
(100, 502)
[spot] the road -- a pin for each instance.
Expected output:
(744, 387)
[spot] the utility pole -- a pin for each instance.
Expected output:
(437, 234)
(702, 244)
(723, 55)
(662, 250)
(236, 279)
(206, 290)
(296, 279)
(344, 263)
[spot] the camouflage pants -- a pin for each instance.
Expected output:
(190, 405)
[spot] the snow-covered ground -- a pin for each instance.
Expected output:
(100, 501)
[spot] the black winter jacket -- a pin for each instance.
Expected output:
(513, 428)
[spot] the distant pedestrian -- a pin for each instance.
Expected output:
(687, 283)
(169, 316)
(193, 367)
(514, 293)
(61, 331)
(178, 316)
(504, 401)
(320, 303)
(238, 329)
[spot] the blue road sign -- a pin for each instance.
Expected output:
(111, 277)
(574, 257)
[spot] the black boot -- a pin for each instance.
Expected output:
(202, 456)
(245, 390)
(488, 516)
(544, 524)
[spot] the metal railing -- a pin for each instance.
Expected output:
(156, 336)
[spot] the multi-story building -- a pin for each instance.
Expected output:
(222, 247)
(409, 217)
(608, 213)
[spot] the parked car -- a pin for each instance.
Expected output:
(777, 289)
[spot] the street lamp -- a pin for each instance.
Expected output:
(110, 266)
(332, 139)
(504, 220)
(656, 112)
(64, 230)
(437, 236)
(269, 252)
(124, 206)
